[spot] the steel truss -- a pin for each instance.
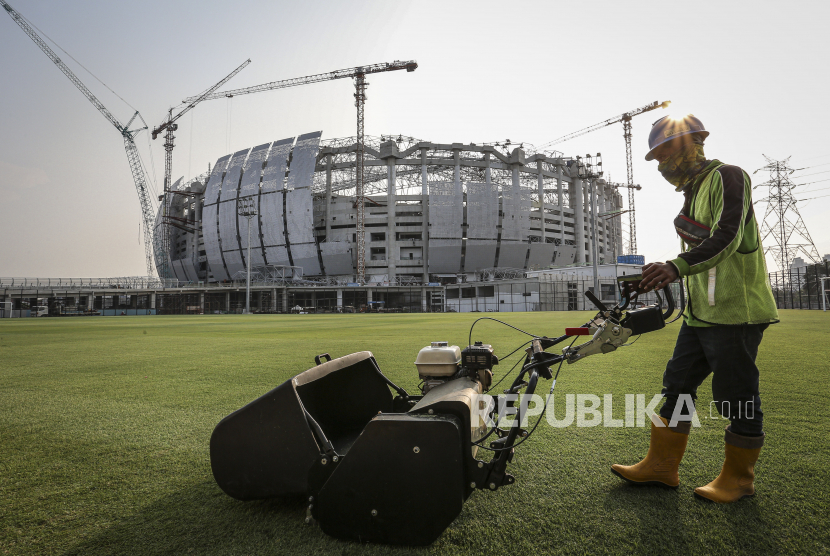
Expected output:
(782, 220)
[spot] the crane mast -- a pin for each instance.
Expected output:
(128, 135)
(625, 118)
(360, 157)
(359, 74)
(629, 170)
(169, 127)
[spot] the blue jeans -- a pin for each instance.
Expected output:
(728, 353)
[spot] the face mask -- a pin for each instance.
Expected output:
(682, 166)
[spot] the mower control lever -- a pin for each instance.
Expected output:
(599, 304)
(608, 337)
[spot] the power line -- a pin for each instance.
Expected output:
(818, 197)
(819, 189)
(813, 174)
(819, 156)
(810, 182)
(813, 166)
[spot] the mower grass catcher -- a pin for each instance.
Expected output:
(386, 469)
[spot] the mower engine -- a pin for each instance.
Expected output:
(441, 362)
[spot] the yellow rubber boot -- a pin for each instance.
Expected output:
(666, 449)
(737, 476)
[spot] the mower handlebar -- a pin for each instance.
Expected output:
(595, 300)
(669, 301)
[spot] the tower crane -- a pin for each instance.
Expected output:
(625, 118)
(359, 75)
(127, 134)
(169, 126)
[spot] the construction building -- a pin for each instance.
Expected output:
(448, 227)
(434, 213)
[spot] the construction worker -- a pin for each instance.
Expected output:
(730, 305)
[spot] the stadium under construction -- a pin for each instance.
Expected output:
(448, 227)
(434, 213)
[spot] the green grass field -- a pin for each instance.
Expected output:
(105, 423)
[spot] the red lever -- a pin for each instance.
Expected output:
(577, 331)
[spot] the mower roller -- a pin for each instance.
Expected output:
(377, 464)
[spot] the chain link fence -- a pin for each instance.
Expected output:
(802, 288)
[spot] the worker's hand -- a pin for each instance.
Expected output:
(634, 286)
(657, 276)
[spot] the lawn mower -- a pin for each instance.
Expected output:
(377, 464)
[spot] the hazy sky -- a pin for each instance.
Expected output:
(754, 72)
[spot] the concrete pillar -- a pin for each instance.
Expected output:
(579, 219)
(599, 188)
(285, 307)
(613, 221)
(604, 207)
(392, 252)
(228, 301)
(488, 179)
(90, 301)
(197, 209)
(274, 300)
(340, 298)
(586, 209)
(424, 300)
(589, 221)
(152, 301)
(327, 211)
(456, 175)
(595, 256)
(540, 185)
(616, 237)
(456, 172)
(561, 203)
(369, 295)
(516, 186)
(193, 247)
(619, 224)
(425, 212)
(201, 303)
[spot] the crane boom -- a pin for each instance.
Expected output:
(199, 98)
(359, 74)
(409, 65)
(625, 118)
(147, 211)
(610, 121)
(169, 127)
